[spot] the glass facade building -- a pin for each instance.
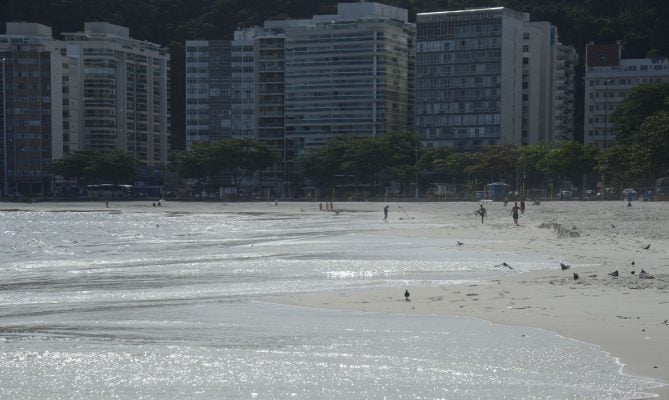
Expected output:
(348, 77)
(296, 83)
(486, 76)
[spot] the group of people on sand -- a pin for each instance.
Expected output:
(329, 206)
(482, 212)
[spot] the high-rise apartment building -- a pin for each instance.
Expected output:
(123, 99)
(220, 88)
(608, 78)
(564, 92)
(486, 76)
(312, 79)
(31, 108)
(95, 90)
(207, 101)
(349, 73)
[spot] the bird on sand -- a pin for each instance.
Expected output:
(645, 275)
(575, 276)
(614, 274)
(646, 247)
(460, 243)
(504, 264)
(564, 266)
(406, 295)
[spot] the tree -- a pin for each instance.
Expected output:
(364, 158)
(402, 154)
(114, 167)
(619, 164)
(239, 158)
(245, 157)
(75, 165)
(640, 103)
(528, 158)
(498, 162)
(653, 157)
(432, 160)
(460, 166)
(569, 160)
(192, 164)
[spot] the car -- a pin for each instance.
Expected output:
(566, 195)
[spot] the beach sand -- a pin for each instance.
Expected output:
(626, 316)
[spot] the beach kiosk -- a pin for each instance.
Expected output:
(497, 191)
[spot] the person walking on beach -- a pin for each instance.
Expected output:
(385, 213)
(514, 212)
(482, 212)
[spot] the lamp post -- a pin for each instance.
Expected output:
(5, 189)
(416, 170)
(606, 129)
(606, 112)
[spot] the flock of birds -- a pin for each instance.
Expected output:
(563, 266)
(642, 275)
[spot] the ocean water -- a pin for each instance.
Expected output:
(138, 302)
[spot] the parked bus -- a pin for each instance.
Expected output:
(108, 191)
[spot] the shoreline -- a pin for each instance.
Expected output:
(630, 332)
(625, 316)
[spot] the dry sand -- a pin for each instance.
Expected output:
(626, 316)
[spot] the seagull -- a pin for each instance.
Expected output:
(633, 272)
(614, 274)
(460, 243)
(564, 266)
(504, 264)
(632, 262)
(406, 295)
(613, 226)
(575, 276)
(646, 247)
(645, 275)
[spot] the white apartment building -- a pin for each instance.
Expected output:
(487, 76)
(123, 93)
(608, 78)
